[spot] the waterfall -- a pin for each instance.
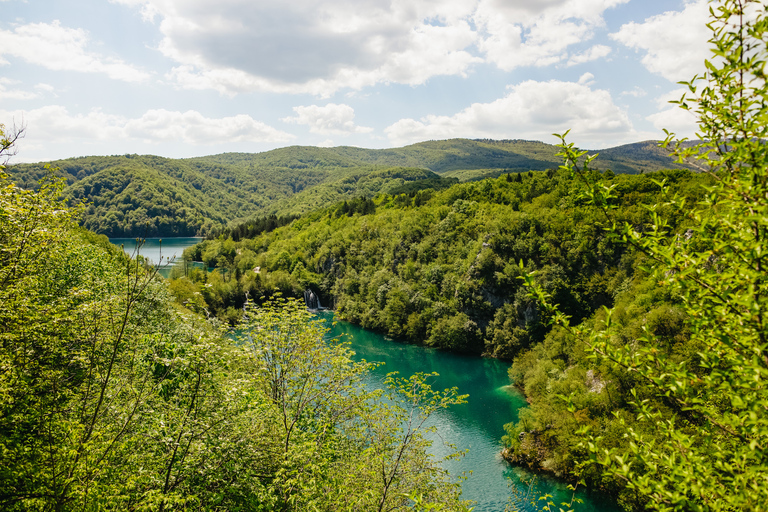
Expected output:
(311, 300)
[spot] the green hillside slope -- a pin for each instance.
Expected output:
(115, 398)
(461, 154)
(134, 200)
(490, 158)
(145, 195)
(442, 267)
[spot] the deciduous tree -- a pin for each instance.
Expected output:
(702, 442)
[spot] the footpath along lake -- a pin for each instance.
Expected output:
(477, 425)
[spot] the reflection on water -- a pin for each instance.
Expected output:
(477, 425)
(163, 251)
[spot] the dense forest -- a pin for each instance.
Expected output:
(632, 308)
(144, 195)
(442, 267)
(112, 396)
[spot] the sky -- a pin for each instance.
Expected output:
(184, 78)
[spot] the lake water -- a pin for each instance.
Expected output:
(477, 425)
(163, 251)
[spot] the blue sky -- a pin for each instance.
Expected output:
(182, 78)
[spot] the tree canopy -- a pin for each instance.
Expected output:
(691, 428)
(113, 397)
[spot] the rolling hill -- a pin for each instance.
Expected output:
(146, 195)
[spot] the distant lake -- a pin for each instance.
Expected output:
(154, 249)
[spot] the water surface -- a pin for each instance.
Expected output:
(477, 425)
(165, 252)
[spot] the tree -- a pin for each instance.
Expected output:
(702, 442)
(336, 445)
(108, 396)
(113, 397)
(8, 140)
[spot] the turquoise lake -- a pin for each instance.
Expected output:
(477, 425)
(163, 251)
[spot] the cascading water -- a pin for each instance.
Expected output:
(311, 300)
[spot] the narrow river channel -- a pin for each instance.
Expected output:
(477, 425)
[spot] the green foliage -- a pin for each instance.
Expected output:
(134, 195)
(470, 160)
(108, 397)
(440, 267)
(339, 446)
(688, 374)
(144, 195)
(361, 205)
(111, 396)
(529, 498)
(8, 138)
(134, 200)
(252, 227)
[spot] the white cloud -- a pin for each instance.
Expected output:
(55, 124)
(9, 90)
(192, 127)
(312, 46)
(586, 79)
(524, 33)
(673, 118)
(675, 42)
(431, 51)
(15, 93)
(62, 49)
(321, 46)
(596, 52)
(636, 92)
(531, 110)
(330, 119)
(46, 88)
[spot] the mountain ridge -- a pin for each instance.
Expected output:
(198, 195)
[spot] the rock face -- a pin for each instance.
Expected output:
(532, 452)
(311, 300)
(593, 382)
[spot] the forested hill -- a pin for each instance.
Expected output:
(477, 159)
(444, 269)
(115, 398)
(145, 195)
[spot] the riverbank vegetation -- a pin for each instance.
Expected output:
(114, 397)
(632, 307)
(651, 385)
(663, 399)
(442, 267)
